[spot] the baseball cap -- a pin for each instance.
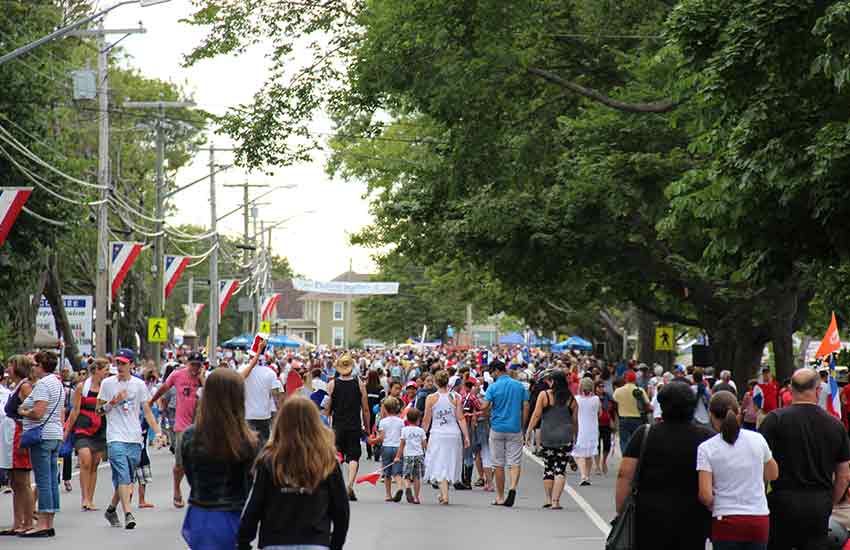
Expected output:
(630, 376)
(680, 368)
(196, 357)
(410, 384)
(125, 355)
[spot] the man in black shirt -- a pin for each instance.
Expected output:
(813, 451)
(348, 410)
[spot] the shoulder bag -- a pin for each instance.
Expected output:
(32, 436)
(623, 535)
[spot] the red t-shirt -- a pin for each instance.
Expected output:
(187, 396)
(293, 382)
(785, 397)
(771, 396)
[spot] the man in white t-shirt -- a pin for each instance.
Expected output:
(262, 389)
(122, 397)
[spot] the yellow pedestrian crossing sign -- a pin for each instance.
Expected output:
(664, 338)
(266, 326)
(157, 330)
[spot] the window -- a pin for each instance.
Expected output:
(339, 308)
(339, 337)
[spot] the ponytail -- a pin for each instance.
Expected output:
(730, 427)
(724, 407)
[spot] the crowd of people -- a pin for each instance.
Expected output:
(271, 443)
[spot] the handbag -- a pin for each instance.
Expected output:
(32, 436)
(623, 535)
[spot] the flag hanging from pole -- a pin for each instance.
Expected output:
(174, 267)
(831, 341)
(198, 309)
(269, 304)
(833, 403)
(226, 290)
(123, 256)
(12, 200)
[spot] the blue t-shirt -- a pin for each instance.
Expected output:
(506, 397)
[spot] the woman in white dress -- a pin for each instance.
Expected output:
(444, 418)
(587, 442)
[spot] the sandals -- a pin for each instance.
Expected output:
(68, 487)
(178, 502)
(147, 505)
(10, 533)
(556, 505)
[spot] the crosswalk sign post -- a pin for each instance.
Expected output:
(266, 326)
(664, 338)
(157, 330)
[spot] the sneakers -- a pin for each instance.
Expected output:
(112, 517)
(351, 496)
(129, 521)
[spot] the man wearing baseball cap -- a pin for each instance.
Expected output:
(121, 399)
(186, 381)
(628, 408)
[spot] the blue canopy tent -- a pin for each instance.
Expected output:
(512, 339)
(239, 342)
(539, 341)
(573, 342)
(282, 341)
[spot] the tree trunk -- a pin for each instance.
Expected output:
(783, 349)
(53, 293)
(646, 337)
(738, 349)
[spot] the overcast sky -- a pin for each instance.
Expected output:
(316, 244)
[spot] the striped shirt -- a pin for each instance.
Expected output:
(48, 389)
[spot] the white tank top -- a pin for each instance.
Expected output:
(443, 418)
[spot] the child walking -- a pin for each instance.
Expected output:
(389, 434)
(412, 451)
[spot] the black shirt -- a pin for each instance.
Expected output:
(346, 404)
(807, 443)
(670, 460)
(216, 484)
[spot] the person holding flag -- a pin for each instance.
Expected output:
(830, 344)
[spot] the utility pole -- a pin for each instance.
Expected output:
(158, 267)
(247, 322)
(103, 296)
(213, 336)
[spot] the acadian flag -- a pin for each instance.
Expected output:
(12, 200)
(268, 306)
(831, 342)
(833, 403)
(174, 267)
(226, 290)
(123, 257)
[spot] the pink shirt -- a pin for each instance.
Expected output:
(187, 396)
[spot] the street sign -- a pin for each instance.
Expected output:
(79, 310)
(157, 330)
(266, 327)
(664, 338)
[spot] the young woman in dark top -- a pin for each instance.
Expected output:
(669, 513)
(89, 429)
(218, 453)
(299, 496)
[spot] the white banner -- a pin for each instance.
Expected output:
(79, 311)
(342, 287)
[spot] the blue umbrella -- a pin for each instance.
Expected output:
(242, 341)
(573, 342)
(282, 341)
(512, 339)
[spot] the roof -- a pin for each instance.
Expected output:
(352, 277)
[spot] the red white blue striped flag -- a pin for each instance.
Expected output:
(226, 290)
(123, 256)
(174, 267)
(12, 200)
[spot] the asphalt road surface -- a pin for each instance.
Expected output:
(376, 525)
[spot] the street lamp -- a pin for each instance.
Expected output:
(65, 31)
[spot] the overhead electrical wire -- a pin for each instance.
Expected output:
(42, 218)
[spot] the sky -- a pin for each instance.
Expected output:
(316, 243)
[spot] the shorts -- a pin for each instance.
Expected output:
(348, 444)
(263, 429)
(414, 467)
(178, 449)
(20, 456)
(605, 439)
(143, 474)
(391, 468)
(94, 444)
(123, 459)
(506, 448)
(555, 461)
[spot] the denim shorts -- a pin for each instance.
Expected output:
(387, 457)
(124, 458)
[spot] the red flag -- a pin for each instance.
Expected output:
(831, 341)
(372, 478)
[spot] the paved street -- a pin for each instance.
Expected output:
(375, 524)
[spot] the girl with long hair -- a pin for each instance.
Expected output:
(218, 453)
(16, 458)
(299, 498)
(556, 410)
(89, 429)
(587, 440)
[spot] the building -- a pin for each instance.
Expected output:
(333, 316)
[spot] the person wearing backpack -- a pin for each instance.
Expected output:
(629, 409)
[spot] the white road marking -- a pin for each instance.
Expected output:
(594, 516)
